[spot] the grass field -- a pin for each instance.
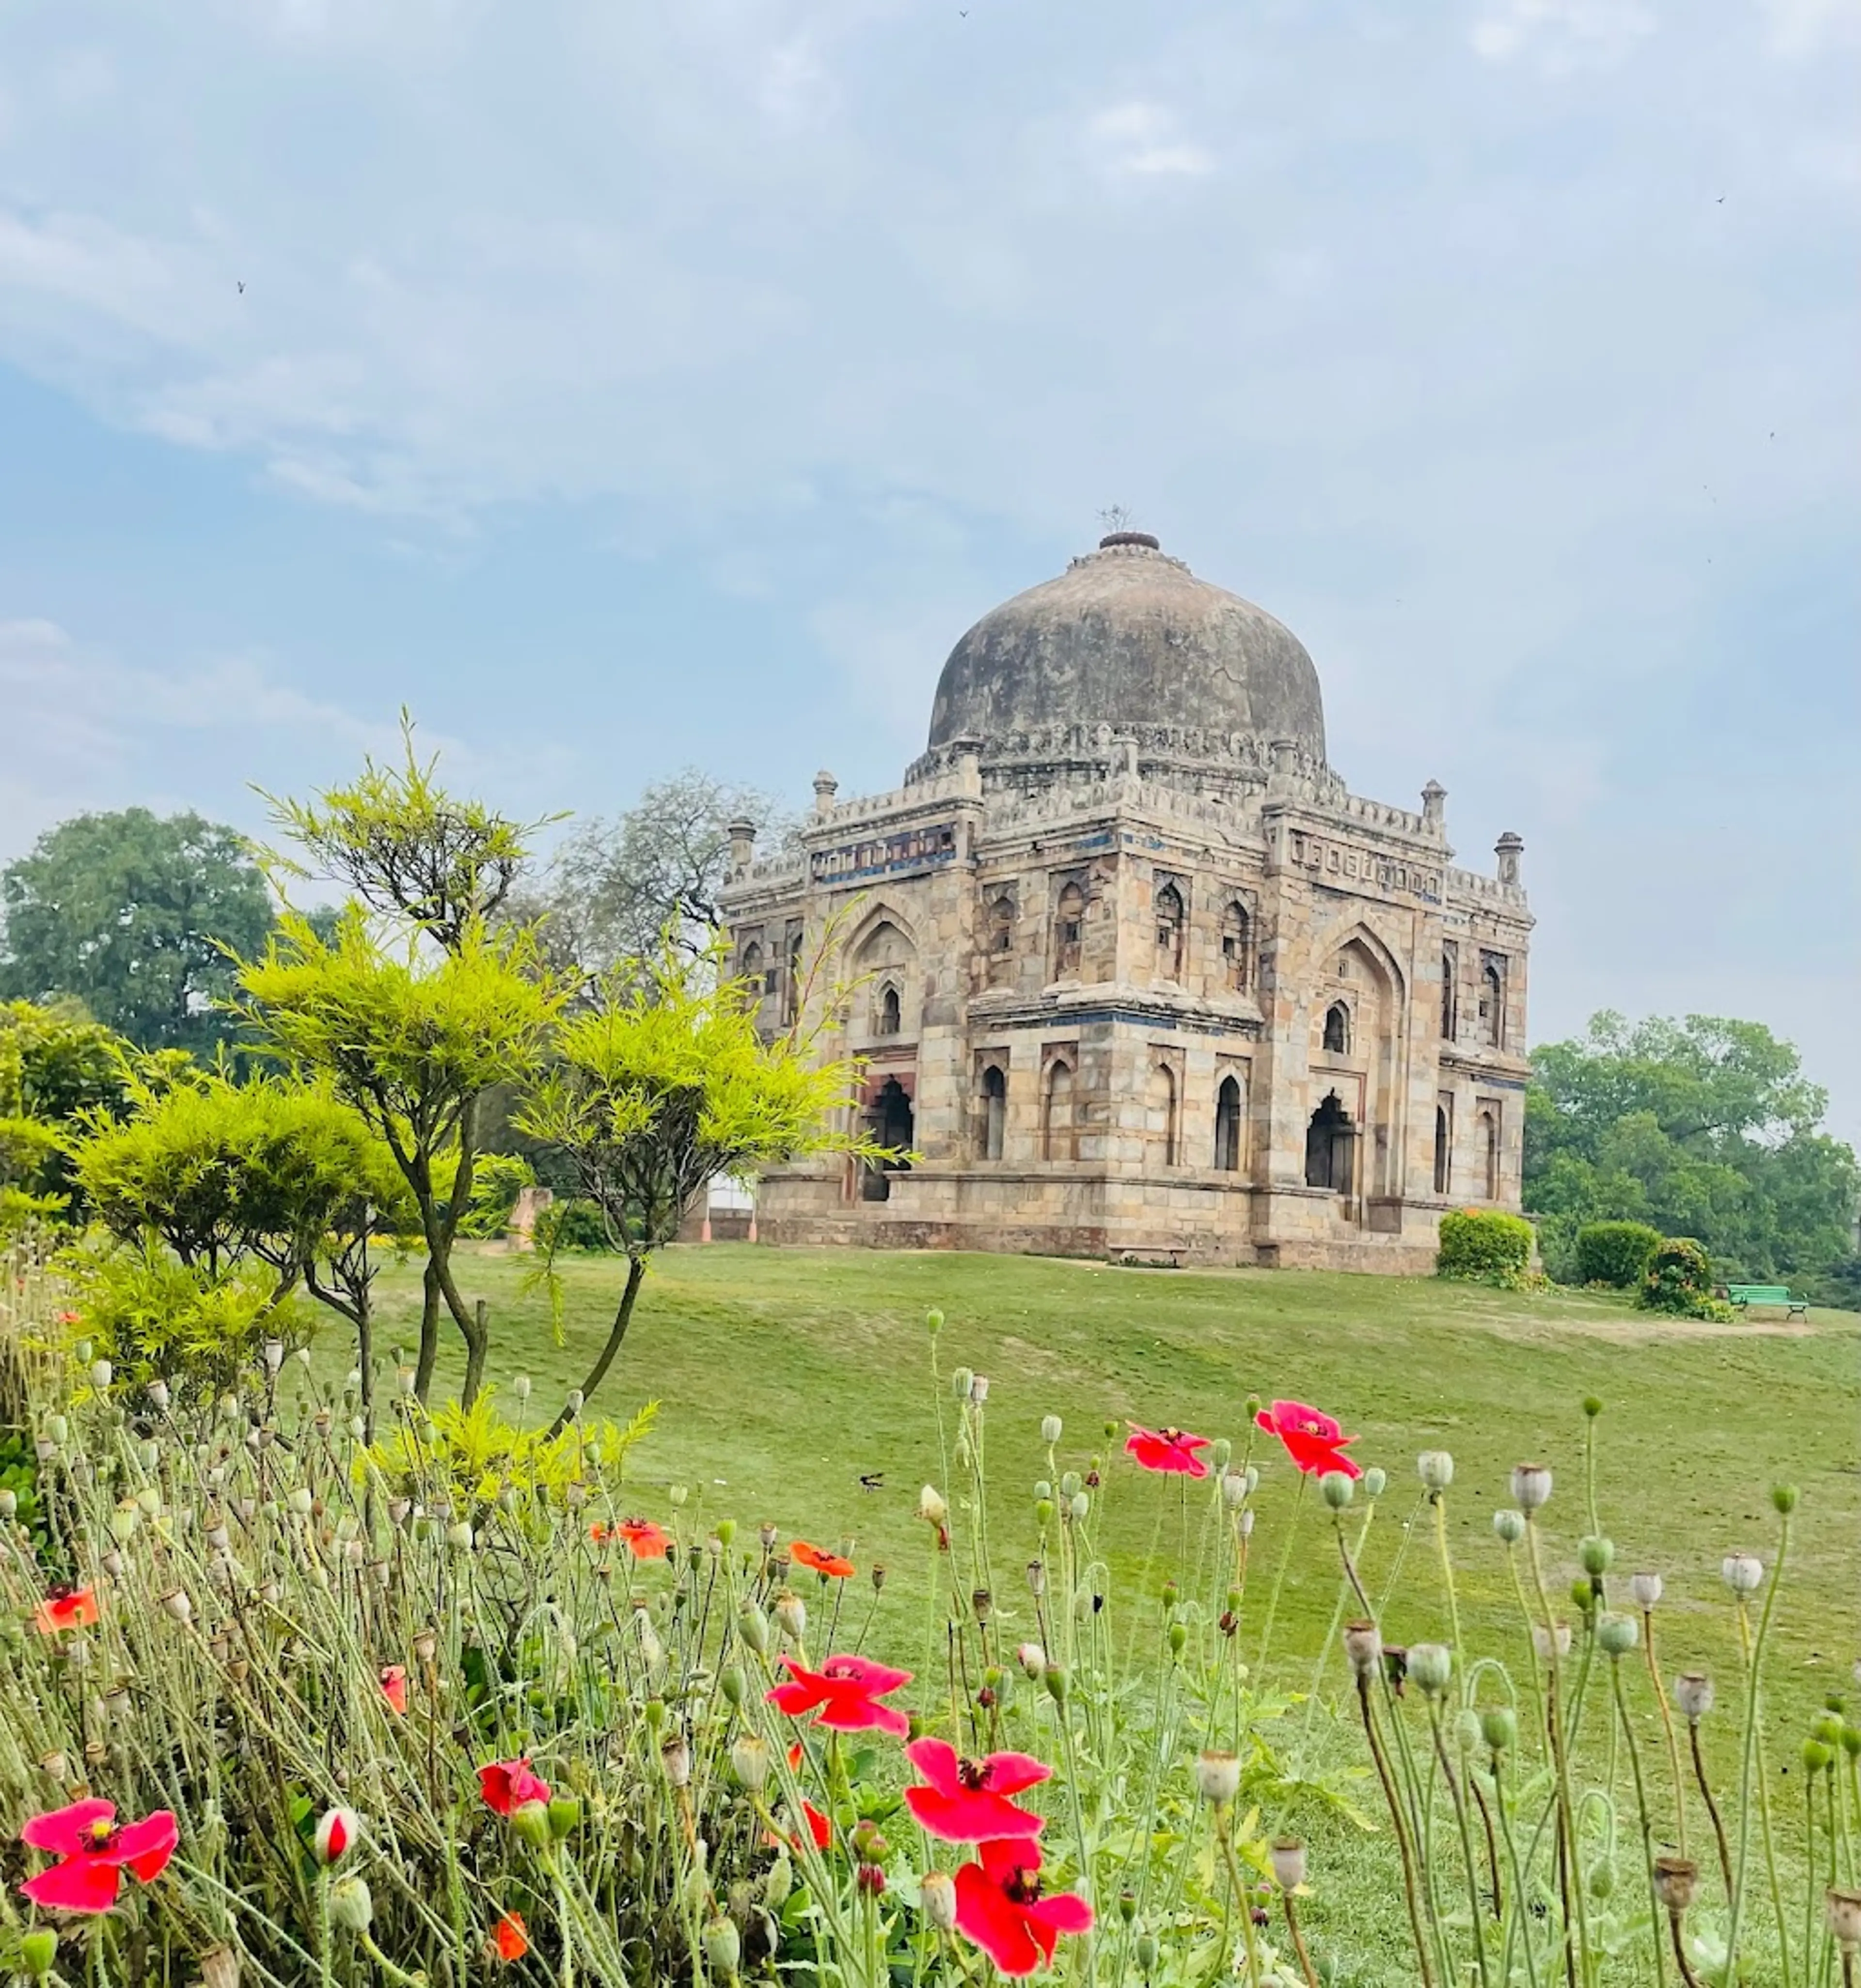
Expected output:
(785, 1376)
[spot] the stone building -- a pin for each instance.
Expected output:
(1131, 968)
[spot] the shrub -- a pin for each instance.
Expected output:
(571, 1225)
(1679, 1282)
(1616, 1253)
(1485, 1246)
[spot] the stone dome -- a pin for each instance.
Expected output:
(1127, 636)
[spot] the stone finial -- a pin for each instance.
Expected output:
(1508, 849)
(741, 832)
(1434, 797)
(826, 787)
(1285, 754)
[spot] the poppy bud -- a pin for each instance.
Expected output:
(1816, 1757)
(778, 1882)
(1070, 1484)
(1645, 1588)
(1583, 1593)
(1510, 1526)
(1784, 1497)
(1056, 1681)
(1531, 1486)
(1375, 1481)
(752, 1627)
(351, 1904)
(336, 1832)
(1218, 1777)
(722, 1946)
(1618, 1634)
(531, 1821)
(565, 1816)
(1595, 1555)
(1431, 1665)
(1336, 1489)
(1179, 1637)
(1601, 1880)
(1144, 1951)
(1742, 1573)
(1081, 1505)
(960, 1378)
(937, 1900)
(1050, 1426)
(1044, 1513)
(1234, 1490)
(931, 1506)
(1288, 1856)
(1499, 1728)
(38, 1951)
(1467, 1730)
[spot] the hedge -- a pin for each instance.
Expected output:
(1484, 1247)
(1617, 1253)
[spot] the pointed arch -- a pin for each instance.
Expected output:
(1058, 1125)
(1228, 1109)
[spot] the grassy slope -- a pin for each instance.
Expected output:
(787, 1373)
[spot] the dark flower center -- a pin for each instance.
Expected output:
(1023, 1887)
(973, 1774)
(100, 1835)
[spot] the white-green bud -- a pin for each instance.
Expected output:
(937, 1900)
(1645, 1588)
(1742, 1573)
(1050, 1426)
(1510, 1526)
(1531, 1486)
(1336, 1489)
(1595, 1555)
(722, 1946)
(1430, 1666)
(1436, 1469)
(351, 1905)
(1617, 1634)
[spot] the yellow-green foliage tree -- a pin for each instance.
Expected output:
(55, 1063)
(662, 1083)
(411, 1039)
(216, 1180)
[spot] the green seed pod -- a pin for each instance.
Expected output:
(1816, 1757)
(1784, 1497)
(1430, 1666)
(933, 1322)
(723, 1947)
(1056, 1681)
(1127, 1906)
(753, 1626)
(1218, 1455)
(1044, 1513)
(1509, 1525)
(38, 1951)
(1336, 1489)
(1179, 1636)
(1596, 1555)
(959, 1382)
(1592, 1407)
(726, 1533)
(565, 1816)
(733, 1685)
(1851, 1741)
(1499, 1728)
(1071, 1484)
(779, 1882)
(1618, 1634)
(1375, 1481)
(1144, 1951)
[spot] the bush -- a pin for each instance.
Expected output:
(1679, 1282)
(571, 1225)
(1616, 1253)
(1484, 1246)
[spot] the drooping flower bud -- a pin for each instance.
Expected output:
(1531, 1486)
(1510, 1526)
(351, 1905)
(937, 1900)
(1645, 1588)
(1288, 1856)
(1436, 1469)
(1218, 1777)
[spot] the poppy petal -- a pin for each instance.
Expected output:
(1064, 1912)
(1010, 1772)
(986, 1914)
(78, 1884)
(862, 1671)
(935, 1759)
(66, 1831)
(971, 1815)
(146, 1846)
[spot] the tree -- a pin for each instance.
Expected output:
(615, 888)
(54, 1064)
(224, 1176)
(130, 914)
(411, 1039)
(660, 1084)
(1704, 1128)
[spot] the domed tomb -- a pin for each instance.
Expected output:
(1128, 636)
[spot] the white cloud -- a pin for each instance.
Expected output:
(1563, 34)
(1805, 27)
(1141, 139)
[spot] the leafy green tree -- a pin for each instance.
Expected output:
(54, 1064)
(411, 1039)
(1704, 1128)
(661, 1084)
(226, 1176)
(129, 913)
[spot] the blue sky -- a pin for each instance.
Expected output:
(624, 387)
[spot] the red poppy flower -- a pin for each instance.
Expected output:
(1314, 1442)
(94, 1851)
(1001, 1906)
(967, 1801)
(834, 1565)
(394, 1687)
(846, 1690)
(66, 1608)
(1169, 1450)
(509, 1784)
(645, 1540)
(511, 1937)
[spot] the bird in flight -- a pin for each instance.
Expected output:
(242, 290)
(872, 1480)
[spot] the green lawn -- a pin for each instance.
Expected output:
(785, 1375)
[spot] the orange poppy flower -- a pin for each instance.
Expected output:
(511, 1937)
(645, 1540)
(66, 1608)
(832, 1565)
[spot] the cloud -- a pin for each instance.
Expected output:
(1141, 139)
(1563, 35)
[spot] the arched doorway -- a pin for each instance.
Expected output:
(893, 1123)
(1330, 1141)
(1444, 1150)
(1228, 1126)
(994, 1112)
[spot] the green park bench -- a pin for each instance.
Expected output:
(1745, 1295)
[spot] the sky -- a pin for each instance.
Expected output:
(623, 387)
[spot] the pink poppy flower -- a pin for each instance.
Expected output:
(1001, 1906)
(1314, 1442)
(844, 1694)
(66, 1608)
(509, 1784)
(394, 1687)
(1170, 1450)
(94, 1850)
(967, 1801)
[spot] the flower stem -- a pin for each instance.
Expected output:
(1560, 1764)
(1754, 1658)
(1456, 1797)
(1641, 1804)
(1666, 1720)
(1398, 1823)
(1279, 1578)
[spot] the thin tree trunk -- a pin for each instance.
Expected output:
(622, 1317)
(478, 1341)
(431, 1301)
